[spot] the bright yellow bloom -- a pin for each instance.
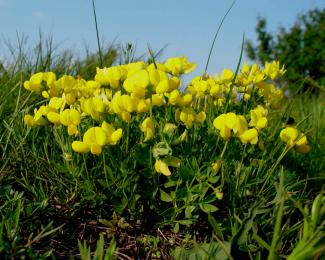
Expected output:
(67, 83)
(147, 127)
(289, 135)
(111, 76)
(226, 123)
(185, 100)
(32, 122)
(92, 106)
(174, 97)
(54, 118)
(226, 76)
(137, 83)
(292, 137)
(249, 136)
(157, 100)
(113, 136)
(162, 166)
(258, 117)
(273, 70)
(186, 115)
(177, 66)
(200, 117)
(174, 83)
(70, 118)
(80, 147)
(56, 103)
(95, 138)
(34, 84)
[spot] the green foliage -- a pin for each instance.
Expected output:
(100, 253)
(300, 48)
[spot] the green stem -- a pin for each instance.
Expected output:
(215, 36)
(97, 34)
(277, 227)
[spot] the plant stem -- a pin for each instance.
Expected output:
(96, 24)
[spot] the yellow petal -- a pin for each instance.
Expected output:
(116, 136)
(72, 129)
(305, 148)
(302, 141)
(261, 123)
(200, 117)
(162, 87)
(95, 135)
(54, 118)
(162, 167)
(96, 149)
(220, 121)
(249, 136)
(29, 120)
(80, 147)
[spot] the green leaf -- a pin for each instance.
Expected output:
(214, 179)
(215, 226)
(185, 222)
(188, 211)
(164, 196)
(176, 228)
(208, 199)
(207, 208)
(185, 173)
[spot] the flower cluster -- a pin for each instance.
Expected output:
(140, 92)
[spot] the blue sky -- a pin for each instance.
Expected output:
(187, 26)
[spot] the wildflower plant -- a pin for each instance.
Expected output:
(161, 149)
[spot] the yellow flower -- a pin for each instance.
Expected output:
(273, 70)
(80, 147)
(56, 103)
(113, 136)
(200, 117)
(143, 106)
(289, 135)
(226, 76)
(162, 167)
(216, 166)
(177, 66)
(174, 97)
(174, 83)
(95, 138)
(187, 116)
(137, 83)
(92, 106)
(35, 82)
(70, 118)
(54, 118)
(67, 83)
(249, 136)
(226, 123)
(111, 76)
(147, 127)
(185, 100)
(292, 137)
(157, 100)
(258, 117)
(162, 87)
